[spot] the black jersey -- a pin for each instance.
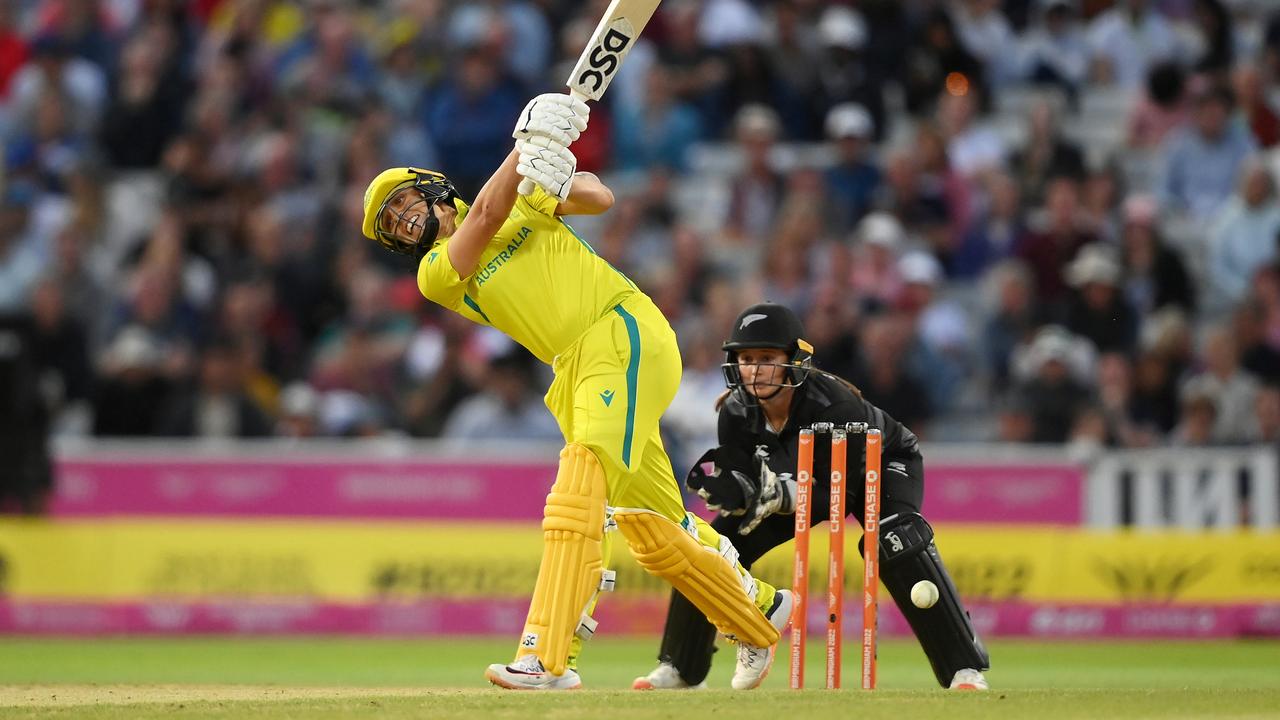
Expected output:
(821, 398)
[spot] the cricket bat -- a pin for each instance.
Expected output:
(613, 38)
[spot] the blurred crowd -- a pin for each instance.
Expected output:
(1048, 221)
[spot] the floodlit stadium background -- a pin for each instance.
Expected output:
(1043, 234)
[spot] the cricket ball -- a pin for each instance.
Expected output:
(924, 594)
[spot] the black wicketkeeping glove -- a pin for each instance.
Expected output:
(726, 477)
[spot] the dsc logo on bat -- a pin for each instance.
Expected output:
(605, 57)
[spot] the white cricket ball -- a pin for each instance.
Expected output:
(924, 594)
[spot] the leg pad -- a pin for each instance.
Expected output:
(700, 573)
(907, 556)
(572, 564)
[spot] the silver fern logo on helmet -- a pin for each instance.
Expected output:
(750, 319)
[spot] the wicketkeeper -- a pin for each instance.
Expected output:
(511, 262)
(774, 392)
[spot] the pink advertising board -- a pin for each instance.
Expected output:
(640, 616)
(428, 487)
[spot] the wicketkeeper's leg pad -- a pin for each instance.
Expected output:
(713, 583)
(572, 565)
(907, 556)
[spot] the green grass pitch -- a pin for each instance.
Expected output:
(108, 678)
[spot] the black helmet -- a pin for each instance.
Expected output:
(768, 325)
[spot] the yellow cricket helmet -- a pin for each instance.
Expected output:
(433, 187)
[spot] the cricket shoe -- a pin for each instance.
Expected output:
(754, 662)
(527, 673)
(665, 677)
(968, 679)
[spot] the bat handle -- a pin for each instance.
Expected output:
(526, 185)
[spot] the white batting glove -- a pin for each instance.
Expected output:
(777, 494)
(554, 116)
(547, 164)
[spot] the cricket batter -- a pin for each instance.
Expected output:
(511, 262)
(774, 392)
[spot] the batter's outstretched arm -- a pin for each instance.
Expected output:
(587, 196)
(485, 217)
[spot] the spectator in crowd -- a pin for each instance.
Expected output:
(133, 386)
(1198, 414)
(60, 345)
(1164, 357)
(54, 69)
(1046, 154)
(853, 180)
(986, 34)
(1011, 320)
(939, 356)
(1054, 50)
(878, 242)
(217, 406)
(1255, 105)
(1098, 310)
(886, 343)
(1202, 160)
(794, 60)
(1217, 40)
(1242, 238)
(1234, 389)
(13, 51)
(1259, 354)
(299, 412)
(1101, 198)
(995, 233)
(1056, 234)
(1052, 394)
(1128, 39)
(515, 29)
(936, 61)
(844, 74)
(21, 258)
(470, 112)
(505, 401)
(660, 132)
(1268, 413)
(1014, 423)
(1116, 404)
(756, 192)
(1162, 107)
(1154, 275)
(145, 110)
(973, 148)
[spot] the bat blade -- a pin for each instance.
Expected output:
(612, 40)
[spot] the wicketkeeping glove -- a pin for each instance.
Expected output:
(777, 494)
(554, 116)
(548, 164)
(725, 478)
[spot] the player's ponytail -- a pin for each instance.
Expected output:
(720, 401)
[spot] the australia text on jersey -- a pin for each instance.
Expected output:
(491, 267)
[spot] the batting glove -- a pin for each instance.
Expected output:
(554, 116)
(547, 164)
(777, 496)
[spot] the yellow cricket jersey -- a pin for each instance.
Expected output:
(537, 280)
